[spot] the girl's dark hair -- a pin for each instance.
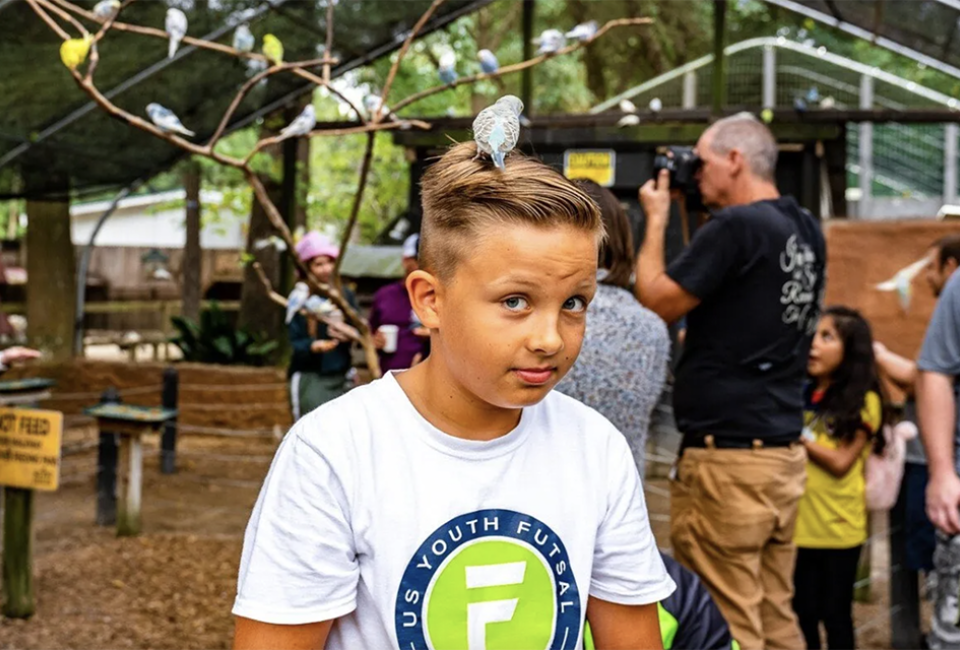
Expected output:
(854, 377)
(616, 252)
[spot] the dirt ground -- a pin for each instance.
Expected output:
(173, 586)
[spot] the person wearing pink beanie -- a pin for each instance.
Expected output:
(321, 360)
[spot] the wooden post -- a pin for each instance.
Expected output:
(526, 76)
(18, 553)
(719, 64)
(130, 485)
(168, 436)
(107, 468)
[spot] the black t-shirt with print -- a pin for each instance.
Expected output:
(758, 271)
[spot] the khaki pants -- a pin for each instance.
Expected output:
(733, 514)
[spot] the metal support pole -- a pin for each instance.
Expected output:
(526, 76)
(107, 455)
(168, 435)
(904, 583)
(690, 89)
(769, 77)
(719, 67)
(950, 132)
(866, 149)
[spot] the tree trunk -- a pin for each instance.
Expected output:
(51, 276)
(192, 255)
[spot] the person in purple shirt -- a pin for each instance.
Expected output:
(391, 306)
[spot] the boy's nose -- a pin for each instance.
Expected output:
(546, 339)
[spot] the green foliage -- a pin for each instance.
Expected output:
(215, 340)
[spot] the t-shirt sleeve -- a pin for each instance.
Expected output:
(712, 254)
(941, 345)
(627, 568)
(872, 413)
(299, 564)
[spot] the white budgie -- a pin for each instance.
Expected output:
(243, 39)
(550, 41)
(628, 120)
(106, 9)
(274, 241)
(902, 281)
(488, 61)
(583, 31)
(302, 125)
(627, 106)
(297, 299)
(656, 105)
(166, 119)
(176, 28)
(496, 128)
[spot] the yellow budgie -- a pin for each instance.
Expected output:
(273, 49)
(74, 51)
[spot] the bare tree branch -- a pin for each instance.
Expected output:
(47, 19)
(65, 16)
(357, 201)
(338, 326)
(385, 93)
(517, 67)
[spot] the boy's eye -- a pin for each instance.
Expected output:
(576, 304)
(515, 303)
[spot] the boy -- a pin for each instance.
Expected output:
(461, 504)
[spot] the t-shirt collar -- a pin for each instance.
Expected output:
(452, 445)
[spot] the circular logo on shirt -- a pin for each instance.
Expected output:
(489, 580)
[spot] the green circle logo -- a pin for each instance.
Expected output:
(489, 580)
(498, 590)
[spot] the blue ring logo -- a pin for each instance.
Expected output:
(488, 579)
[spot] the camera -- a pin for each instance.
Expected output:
(683, 165)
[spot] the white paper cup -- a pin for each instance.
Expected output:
(390, 334)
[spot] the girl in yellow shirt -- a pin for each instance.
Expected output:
(843, 414)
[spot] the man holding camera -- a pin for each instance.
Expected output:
(750, 284)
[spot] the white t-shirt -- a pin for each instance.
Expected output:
(413, 538)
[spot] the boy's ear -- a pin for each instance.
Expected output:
(422, 287)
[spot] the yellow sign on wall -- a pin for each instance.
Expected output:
(30, 448)
(599, 166)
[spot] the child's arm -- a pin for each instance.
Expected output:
(900, 370)
(254, 635)
(837, 461)
(625, 627)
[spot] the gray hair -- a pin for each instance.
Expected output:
(751, 137)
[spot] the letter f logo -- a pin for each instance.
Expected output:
(493, 611)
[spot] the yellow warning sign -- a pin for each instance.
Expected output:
(599, 166)
(30, 448)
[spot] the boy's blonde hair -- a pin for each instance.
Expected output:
(462, 193)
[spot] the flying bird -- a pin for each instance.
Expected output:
(302, 125)
(448, 67)
(583, 31)
(902, 281)
(243, 39)
(106, 9)
(488, 61)
(550, 41)
(627, 106)
(273, 49)
(297, 299)
(176, 27)
(164, 118)
(74, 51)
(496, 128)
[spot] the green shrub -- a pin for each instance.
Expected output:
(216, 340)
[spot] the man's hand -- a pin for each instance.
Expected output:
(943, 502)
(655, 198)
(324, 345)
(17, 353)
(379, 340)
